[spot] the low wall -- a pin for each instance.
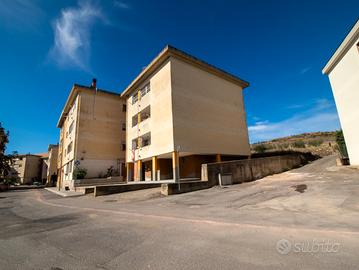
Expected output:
(175, 188)
(112, 189)
(98, 181)
(251, 169)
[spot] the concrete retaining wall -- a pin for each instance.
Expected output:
(112, 189)
(251, 169)
(175, 188)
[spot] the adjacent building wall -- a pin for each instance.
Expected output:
(44, 169)
(27, 168)
(344, 79)
(67, 138)
(343, 72)
(93, 124)
(208, 112)
(195, 110)
(100, 133)
(160, 123)
(51, 174)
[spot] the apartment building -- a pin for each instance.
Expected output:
(27, 168)
(44, 166)
(51, 172)
(92, 135)
(181, 113)
(343, 72)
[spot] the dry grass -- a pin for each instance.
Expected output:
(318, 143)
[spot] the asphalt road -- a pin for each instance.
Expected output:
(307, 218)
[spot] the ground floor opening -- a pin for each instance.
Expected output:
(173, 166)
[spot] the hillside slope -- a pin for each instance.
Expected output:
(318, 143)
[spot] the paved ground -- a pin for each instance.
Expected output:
(304, 219)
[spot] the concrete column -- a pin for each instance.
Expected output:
(154, 168)
(129, 171)
(218, 158)
(175, 166)
(138, 170)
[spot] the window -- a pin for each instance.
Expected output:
(124, 108)
(123, 126)
(71, 127)
(146, 113)
(69, 148)
(145, 89)
(70, 166)
(142, 141)
(134, 144)
(146, 139)
(73, 107)
(123, 147)
(134, 120)
(134, 98)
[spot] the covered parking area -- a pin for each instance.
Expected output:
(173, 166)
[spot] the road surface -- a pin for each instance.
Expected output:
(307, 218)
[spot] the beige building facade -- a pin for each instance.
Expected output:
(51, 172)
(27, 168)
(92, 135)
(181, 113)
(343, 72)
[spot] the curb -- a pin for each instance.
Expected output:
(65, 194)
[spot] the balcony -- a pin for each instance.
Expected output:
(144, 114)
(142, 141)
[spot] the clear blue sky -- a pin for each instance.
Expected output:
(280, 47)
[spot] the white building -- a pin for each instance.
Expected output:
(343, 72)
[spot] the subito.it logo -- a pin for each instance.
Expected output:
(284, 246)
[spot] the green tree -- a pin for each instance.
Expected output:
(341, 144)
(5, 160)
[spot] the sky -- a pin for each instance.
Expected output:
(279, 47)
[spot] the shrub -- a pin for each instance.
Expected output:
(315, 142)
(284, 145)
(298, 144)
(109, 171)
(341, 144)
(79, 173)
(9, 181)
(260, 148)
